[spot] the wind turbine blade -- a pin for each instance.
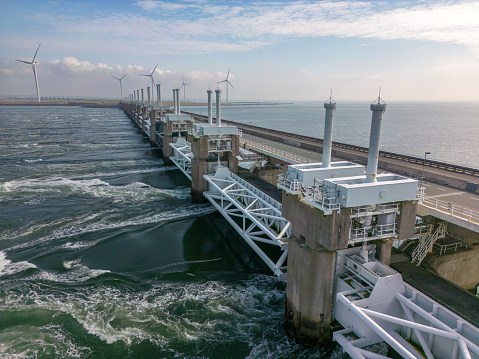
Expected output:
(231, 84)
(228, 74)
(123, 76)
(153, 70)
(221, 81)
(25, 62)
(144, 75)
(36, 52)
(115, 77)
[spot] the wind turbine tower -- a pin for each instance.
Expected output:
(34, 64)
(184, 84)
(152, 81)
(121, 87)
(227, 83)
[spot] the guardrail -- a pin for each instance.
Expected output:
(275, 151)
(417, 160)
(452, 209)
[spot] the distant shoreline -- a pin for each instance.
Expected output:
(116, 103)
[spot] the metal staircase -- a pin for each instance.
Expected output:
(427, 241)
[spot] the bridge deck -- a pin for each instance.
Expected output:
(442, 291)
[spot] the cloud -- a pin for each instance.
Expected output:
(193, 27)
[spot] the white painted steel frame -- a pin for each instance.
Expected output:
(260, 216)
(435, 323)
(182, 157)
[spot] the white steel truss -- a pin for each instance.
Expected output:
(374, 305)
(182, 156)
(255, 216)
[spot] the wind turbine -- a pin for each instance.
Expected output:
(152, 83)
(184, 84)
(34, 64)
(227, 83)
(121, 87)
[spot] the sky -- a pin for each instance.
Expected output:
(275, 50)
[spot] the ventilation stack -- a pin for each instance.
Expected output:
(210, 107)
(178, 106)
(218, 107)
(328, 133)
(158, 94)
(374, 139)
(174, 102)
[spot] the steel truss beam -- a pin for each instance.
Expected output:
(182, 157)
(254, 215)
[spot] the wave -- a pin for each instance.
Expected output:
(99, 221)
(7, 267)
(95, 187)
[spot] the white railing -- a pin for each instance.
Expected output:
(442, 248)
(276, 152)
(290, 186)
(425, 243)
(375, 232)
(452, 209)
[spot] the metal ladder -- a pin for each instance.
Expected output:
(427, 241)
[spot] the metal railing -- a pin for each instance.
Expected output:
(443, 248)
(375, 232)
(276, 152)
(452, 209)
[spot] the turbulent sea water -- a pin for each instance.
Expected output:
(103, 255)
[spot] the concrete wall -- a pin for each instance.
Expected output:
(460, 268)
(319, 231)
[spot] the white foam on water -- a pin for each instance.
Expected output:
(50, 340)
(76, 272)
(7, 267)
(165, 312)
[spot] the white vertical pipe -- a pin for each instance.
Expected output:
(142, 97)
(178, 99)
(174, 101)
(210, 107)
(138, 96)
(373, 153)
(218, 107)
(148, 93)
(158, 94)
(328, 133)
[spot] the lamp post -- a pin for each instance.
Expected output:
(423, 164)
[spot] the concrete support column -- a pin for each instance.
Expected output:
(198, 184)
(149, 96)
(309, 293)
(311, 265)
(384, 251)
(144, 113)
(153, 127)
